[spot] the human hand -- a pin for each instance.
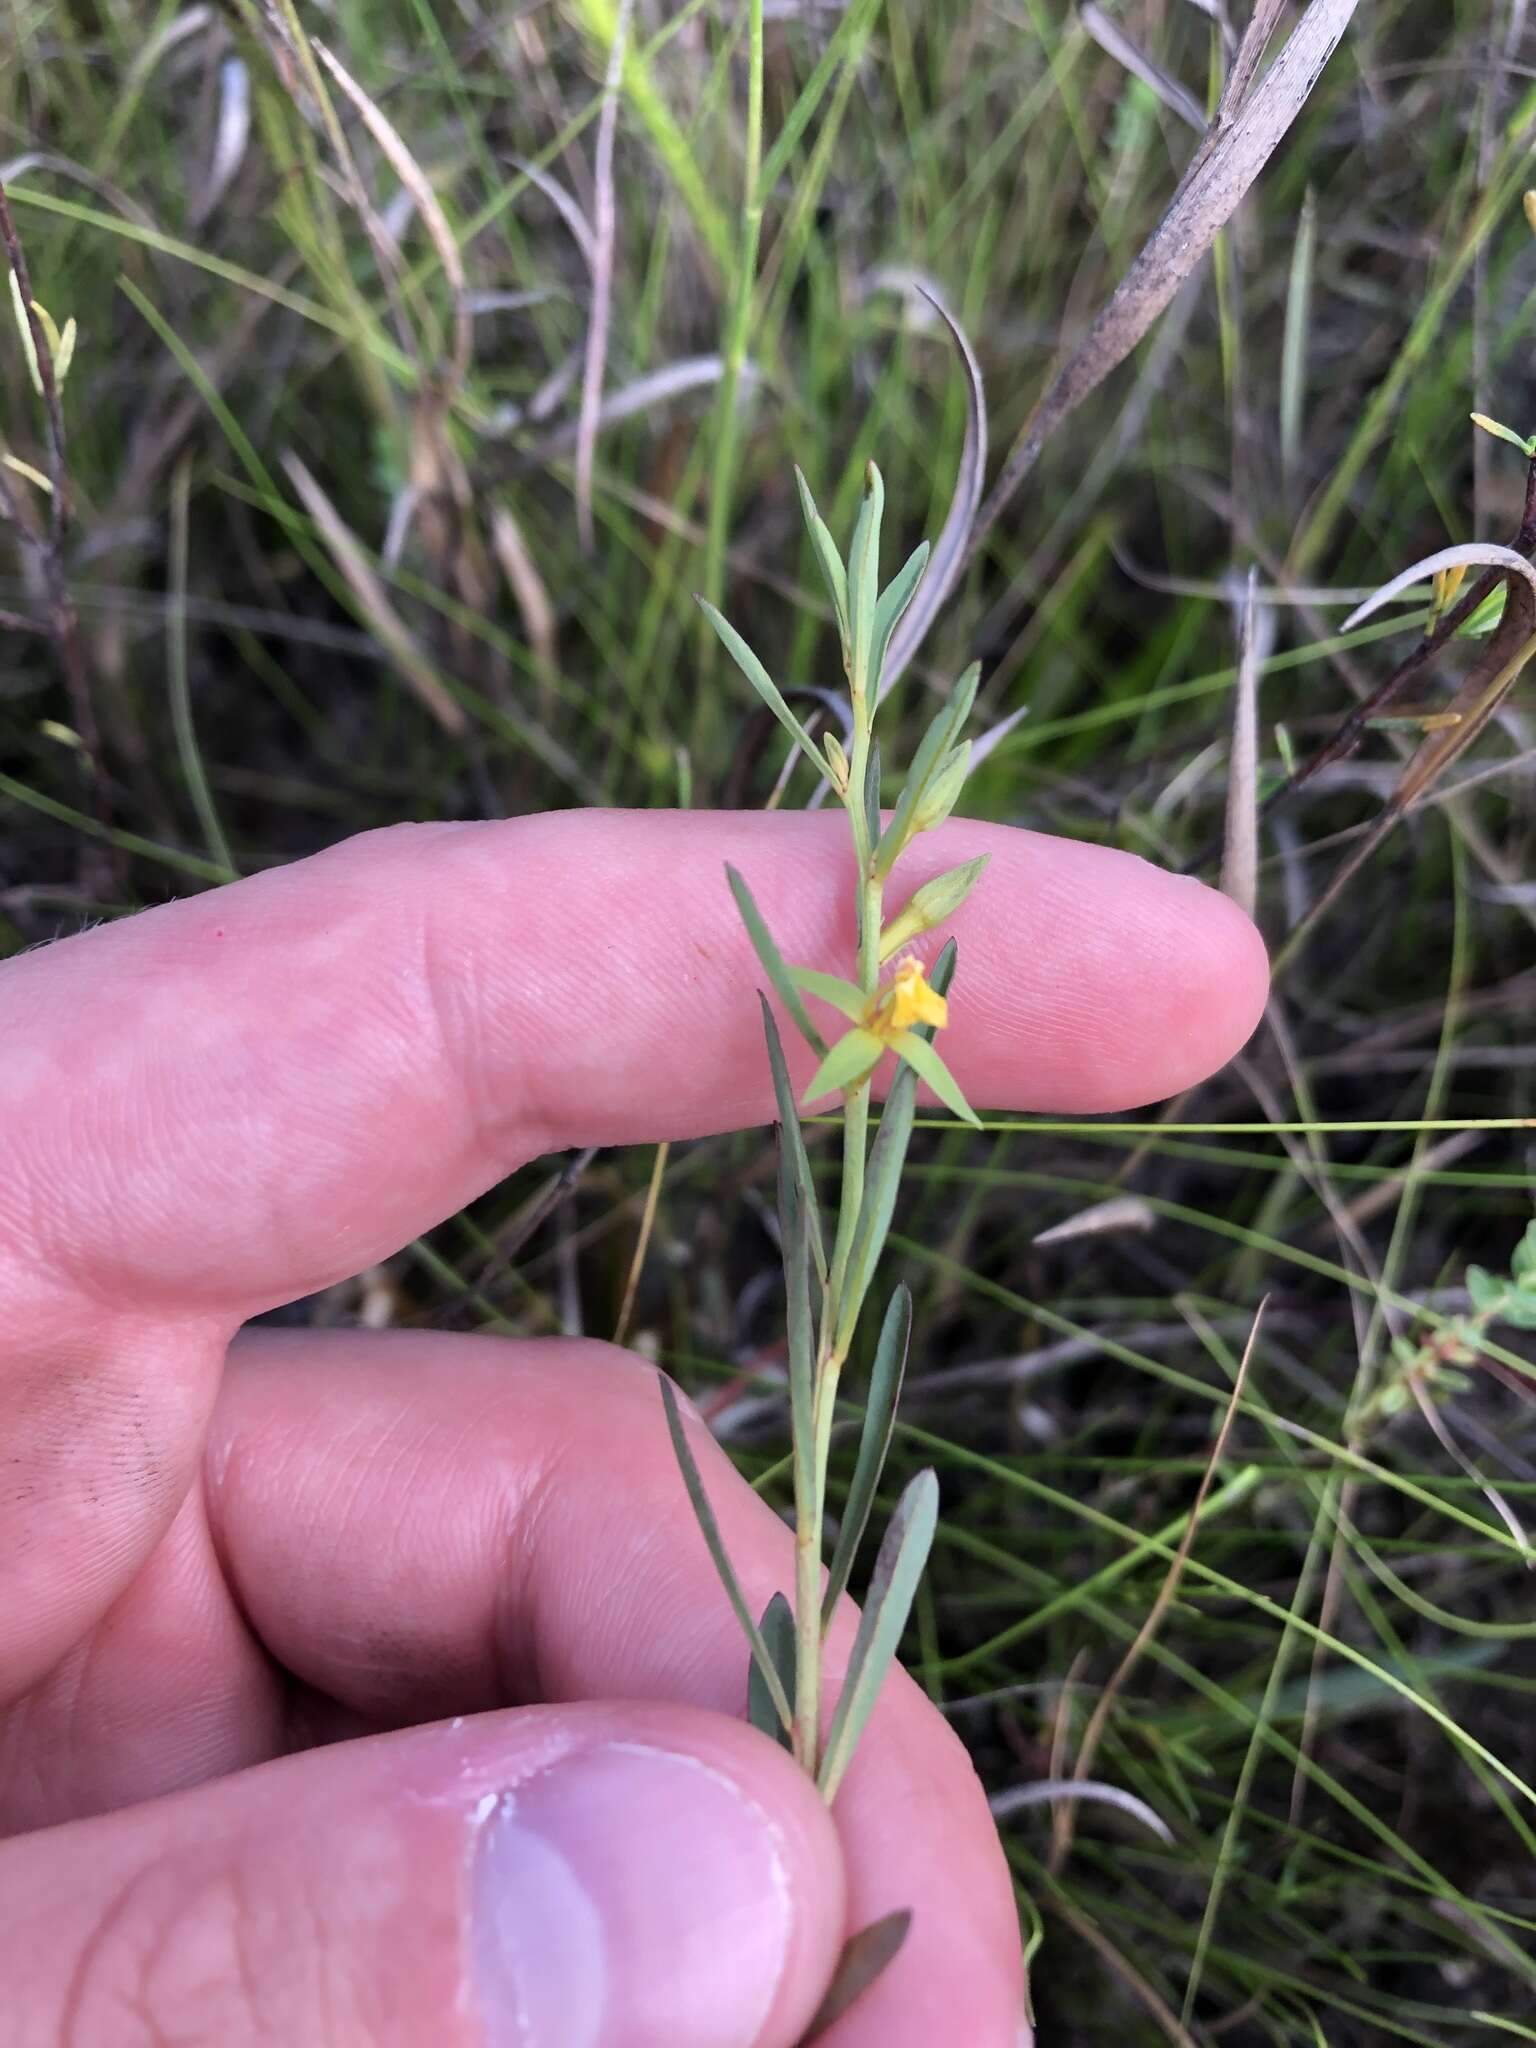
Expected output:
(244, 1602)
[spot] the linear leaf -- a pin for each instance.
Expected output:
(760, 680)
(855, 1054)
(872, 795)
(917, 1052)
(777, 1629)
(794, 1229)
(715, 1543)
(792, 1137)
(866, 1957)
(825, 550)
(931, 760)
(903, 1554)
(831, 988)
(773, 962)
(864, 575)
(874, 1443)
(898, 594)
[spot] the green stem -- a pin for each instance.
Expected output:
(738, 325)
(810, 1513)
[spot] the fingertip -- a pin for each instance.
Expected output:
(1214, 980)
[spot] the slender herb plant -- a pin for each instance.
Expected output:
(829, 1270)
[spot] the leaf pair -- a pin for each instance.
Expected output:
(866, 616)
(936, 777)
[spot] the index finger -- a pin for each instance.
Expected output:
(239, 1099)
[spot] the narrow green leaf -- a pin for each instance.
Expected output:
(943, 791)
(853, 1056)
(842, 995)
(760, 680)
(773, 962)
(866, 1957)
(882, 1177)
(893, 1584)
(874, 1444)
(864, 577)
(872, 796)
(935, 750)
(777, 1629)
(931, 1068)
(898, 594)
(825, 550)
(931, 905)
(715, 1543)
(794, 1229)
(792, 1136)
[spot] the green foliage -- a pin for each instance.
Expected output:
(897, 1018)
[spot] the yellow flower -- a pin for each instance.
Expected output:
(907, 1001)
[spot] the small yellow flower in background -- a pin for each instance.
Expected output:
(907, 1001)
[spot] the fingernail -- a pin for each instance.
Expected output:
(628, 1894)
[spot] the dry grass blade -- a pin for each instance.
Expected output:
(1442, 1433)
(416, 182)
(1487, 684)
(1099, 1720)
(372, 600)
(1119, 1212)
(604, 225)
(1114, 42)
(1236, 149)
(1249, 54)
(562, 202)
(1469, 555)
(642, 1242)
(1240, 858)
(1147, 1995)
(528, 589)
(951, 549)
(1048, 1791)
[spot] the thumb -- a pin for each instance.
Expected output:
(562, 1877)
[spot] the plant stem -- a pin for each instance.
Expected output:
(810, 1513)
(739, 322)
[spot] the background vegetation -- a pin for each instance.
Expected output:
(325, 572)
